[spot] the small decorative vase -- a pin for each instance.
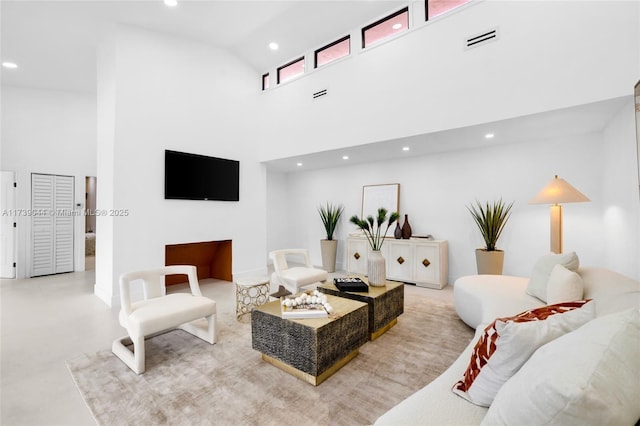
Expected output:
(406, 228)
(398, 232)
(377, 269)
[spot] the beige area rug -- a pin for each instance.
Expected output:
(189, 382)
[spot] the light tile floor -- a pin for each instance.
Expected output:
(47, 320)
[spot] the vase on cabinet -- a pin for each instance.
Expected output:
(376, 269)
(397, 234)
(406, 228)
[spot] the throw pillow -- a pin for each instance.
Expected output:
(586, 377)
(507, 343)
(564, 285)
(542, 270)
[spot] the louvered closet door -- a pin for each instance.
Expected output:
(63, 224)
(51, 224)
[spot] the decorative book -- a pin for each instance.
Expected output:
(351, 284)
(305, 305)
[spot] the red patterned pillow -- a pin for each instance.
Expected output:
(507, 343)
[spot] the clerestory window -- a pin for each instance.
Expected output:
(291, 70)
(329, 53)
(386, 27)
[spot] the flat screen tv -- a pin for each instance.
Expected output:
(199, 177)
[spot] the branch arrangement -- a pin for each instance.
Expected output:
(372, 228)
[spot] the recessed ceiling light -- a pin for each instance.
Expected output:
(397, 26)
(406, 148)
(273, 46)
(299, 164)
(9, 65)
(171, 3)
(489, 135)
(345, 157)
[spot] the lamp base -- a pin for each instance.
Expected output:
(556, 228)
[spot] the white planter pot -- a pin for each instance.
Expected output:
(489, 262)
(376, 269)
(328, 248)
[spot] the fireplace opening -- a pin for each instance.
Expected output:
(211, 258)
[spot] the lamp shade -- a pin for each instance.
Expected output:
(559, 191)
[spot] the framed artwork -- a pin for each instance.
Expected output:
(376, 196)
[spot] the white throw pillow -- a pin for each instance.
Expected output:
(587, 377)
(507, 344)
(564, 285)
(542, 270)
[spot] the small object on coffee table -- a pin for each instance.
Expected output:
(305, 305)
(351, 284)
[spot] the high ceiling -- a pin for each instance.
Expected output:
(54, 42)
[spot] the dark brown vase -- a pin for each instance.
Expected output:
(398, 232)
(406, 228)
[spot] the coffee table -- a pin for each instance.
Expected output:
(311, 349)
(385, 303)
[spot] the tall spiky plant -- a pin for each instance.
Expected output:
(491, 219)
(372, 228)
(330, 216)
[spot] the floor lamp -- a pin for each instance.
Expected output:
(558, 191)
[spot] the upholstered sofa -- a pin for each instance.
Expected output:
(479, 300)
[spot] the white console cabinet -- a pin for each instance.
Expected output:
(416, 260)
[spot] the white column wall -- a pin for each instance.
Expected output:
(621, 198)
(177, 94)
(51, 132)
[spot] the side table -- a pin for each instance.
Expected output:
(250, 293)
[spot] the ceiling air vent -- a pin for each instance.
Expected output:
(482, 38)
(320, 93)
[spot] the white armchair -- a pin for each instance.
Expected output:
(298, 276)
(159, 312)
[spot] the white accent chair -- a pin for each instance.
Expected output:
(292, 278)
(160, 312)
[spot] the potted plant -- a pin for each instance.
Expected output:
(330, 216)
(491, 219)
(372, 228)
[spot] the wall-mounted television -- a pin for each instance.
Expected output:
(199, 177)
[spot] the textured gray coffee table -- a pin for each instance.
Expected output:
(311, 349)
(386, 303)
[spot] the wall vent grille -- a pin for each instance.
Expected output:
(482, 38)
(320, 93)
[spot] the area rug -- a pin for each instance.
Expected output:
(189, 382)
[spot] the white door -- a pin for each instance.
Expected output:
(51, 224)
(64, 224)
(7, 226)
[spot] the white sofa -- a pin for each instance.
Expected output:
(480, 299)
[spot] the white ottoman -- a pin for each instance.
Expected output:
(479, 299)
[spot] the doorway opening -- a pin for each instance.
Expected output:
(90, 223)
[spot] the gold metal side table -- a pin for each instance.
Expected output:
(250, 293)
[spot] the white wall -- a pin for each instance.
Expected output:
(51, 132)
(620, 193)
(161, 93)
(550, 55)
(435, 189)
